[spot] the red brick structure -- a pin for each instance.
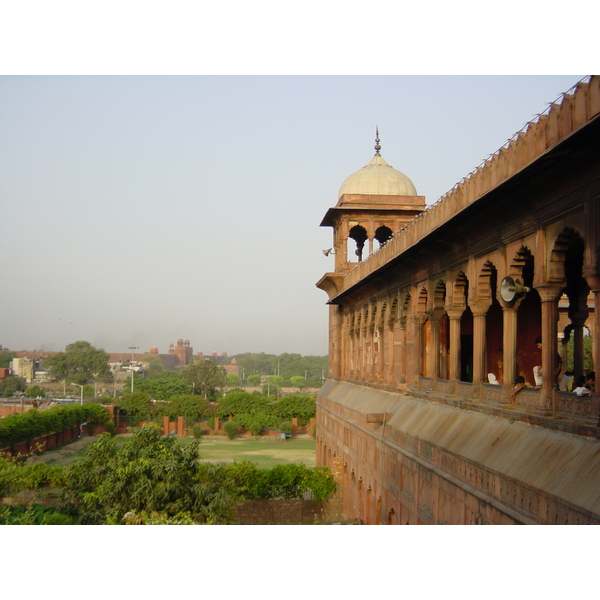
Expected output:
(454, 298)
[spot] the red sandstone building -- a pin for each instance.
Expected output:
(428, 306)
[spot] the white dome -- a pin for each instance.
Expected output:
(378, 178)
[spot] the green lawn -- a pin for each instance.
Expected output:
(266, 452)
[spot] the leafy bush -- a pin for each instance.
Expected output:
(238, 402)
(16, 476)
(197, 431)
(148, 473)
(33, 515)
(34, 391)
(110, 428)
(26, 426)
(286, 426)
(231, 428)
(295, 406)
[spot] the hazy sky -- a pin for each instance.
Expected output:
(140, 210)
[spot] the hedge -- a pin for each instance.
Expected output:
(27, 426)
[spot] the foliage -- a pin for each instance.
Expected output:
(33, 515)
(231, 429)
(96, 414)
(587, 353)
(191, 408)
(156, 518)
(79, 363)
(5, 358)
(254, 379)
(197, 431)
(147, 473)
(11, 384)
(233, 379)
(298, 381)
(162, 386)
(136, 404)
(17, 476)
(286, 426)
(237, 401)
(245, 481)
(34, 391)
(110, 428)
(294, 406)
(33, 423)
(206, 377)
(255, 423)
(286, 365)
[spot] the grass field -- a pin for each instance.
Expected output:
(266, 452)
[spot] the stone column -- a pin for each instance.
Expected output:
(399, 352)
(509, 344)
(434, 356)
(479, 311)
(414, 349)
(549, 296)
(454, 316)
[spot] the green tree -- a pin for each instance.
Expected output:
(136, 404)
(148, 473)
(5, 358)
(238, 402)
(79, 363)
(254, 379)
(10, 385)
(162, 386)
(302, 408)
(34, 391)
(206, 378)
(233, 379)
(191, 408)
(298, 381)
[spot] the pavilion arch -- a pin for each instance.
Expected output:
(359, 234)
(403, 311)
(424, 325)
(529, 316)
(493, 351)
(462, 312)
(439, 296)
(382, 317)
(522, 266)
(383, 235)
(566, 267)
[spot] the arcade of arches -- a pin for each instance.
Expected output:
(428, 332)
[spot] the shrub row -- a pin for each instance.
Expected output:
(33, 423)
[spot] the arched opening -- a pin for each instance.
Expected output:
(359, 234)
(529, 319)
(383, 235)
(577, 302)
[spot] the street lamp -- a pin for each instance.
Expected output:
(133, 349)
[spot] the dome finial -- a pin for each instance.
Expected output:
(377, 140)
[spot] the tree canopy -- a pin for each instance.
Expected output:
(206, 378)
(80, 363)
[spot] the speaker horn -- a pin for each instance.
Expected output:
(328, 252)
(511, 289)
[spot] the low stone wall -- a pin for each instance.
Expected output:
(287, 512)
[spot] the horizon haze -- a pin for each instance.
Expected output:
(140, 210)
